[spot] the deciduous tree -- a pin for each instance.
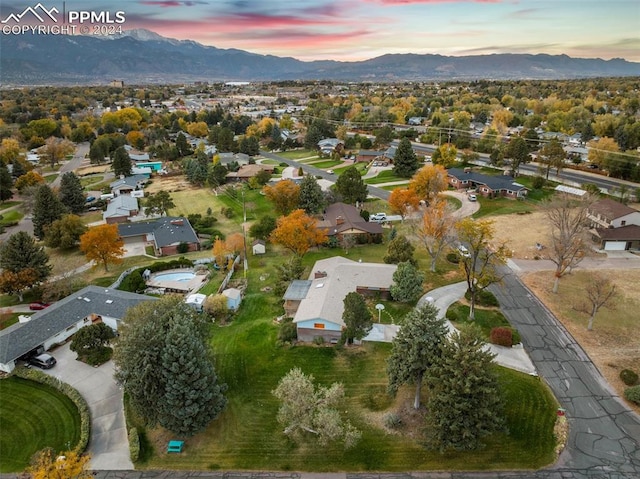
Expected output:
(159, 203)
(568, 219)
(402, 201)
(350, 186)
(262, 228)
(464, 400)
(518, 151)
(600, 292)
(356, 317)
(55, 150)
(65, 233)
(445, 155)
(553, 156)
(307, 409)
(91, 338)
(6, 182)
(72, 193)
(405, 161)
(481, 265)
(415, 349)
(429, 181)
(298, 233)
(399, 250)
(407, 283)
(435, 229)
(285, 196)
(103, 245)
(30, 178)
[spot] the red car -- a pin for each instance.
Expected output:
(37, 306)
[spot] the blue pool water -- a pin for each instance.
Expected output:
(180, 276)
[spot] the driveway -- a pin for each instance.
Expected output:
(109, 444)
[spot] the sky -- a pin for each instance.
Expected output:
(360, 29)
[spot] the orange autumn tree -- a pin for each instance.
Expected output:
(285, 196)
(298, 232)
(429, 181)
(435, 229)
(103, 244)
(220, 252)
(403, 200)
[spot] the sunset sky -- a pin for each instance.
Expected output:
(361, 29)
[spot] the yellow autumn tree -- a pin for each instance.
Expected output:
(298, 233)
(220, 252)
(403, 200)
(434, 229)
(429, 181)
(68, 465)
(103, 245)
(285, 196)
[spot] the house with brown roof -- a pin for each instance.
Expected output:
(246, 172)
(341, 219)
(614, 225)
(487, 186)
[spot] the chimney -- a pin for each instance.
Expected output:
(467, 170)
(320, 274)
(339, 220)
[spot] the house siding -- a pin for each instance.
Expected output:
(173, 249)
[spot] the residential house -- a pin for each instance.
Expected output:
(120, 209)
(341, 219)
(329, 145)
(55, 324)
(320, 300)
(485, 185)
(614, 225)
(366, 156)
(246, 172)
(126, 184)
(165, 234)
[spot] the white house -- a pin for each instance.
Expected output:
(319, 300)
(58, 322)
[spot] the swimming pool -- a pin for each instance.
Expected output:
(176, 276)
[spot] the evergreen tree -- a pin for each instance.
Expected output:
(416, 348)
(356, 317)
(400, 250)
(46, 209)
(464, 401)
(263, 228)
(217, 175)
(193, 395)
(6, 182)
(20, 252)
(311, 197)
(407, 283)
(182, 145)
(405, 161)
(249, 145)
(72, 193)
(351, 187)
(18, 168)
(121, 162)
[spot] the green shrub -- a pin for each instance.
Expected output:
(71, 393)
(501, 337)
(98, 356)
(633, 394)
(484, 298)
(134, 444)
(319, 340)
(515, 336)
(629, 377)
(392, 420)
(452, 315)
(288, 331)
(453, 258)
(538, 182)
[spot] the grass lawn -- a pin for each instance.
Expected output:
(88, 182)
(360, 166)
(8, 204)
(34, 416)
(325, 163)
(10, 217)
(7, 319)
(297, 154)
(503, 206)
(50, 178)
(247, 435)
(385, 176)
(486, 319)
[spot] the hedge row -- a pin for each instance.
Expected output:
(71, 393)
(134, 444)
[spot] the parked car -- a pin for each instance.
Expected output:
(43, 361)
(463, 251)
(330, 172)
(38, 305)
(472, 197)
(378, 217)
(90, 199)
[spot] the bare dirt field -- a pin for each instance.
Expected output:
(614, 342)
(169, 183)
(522, 232)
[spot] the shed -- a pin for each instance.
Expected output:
(234, 298)
(196, 301)
(258, 247)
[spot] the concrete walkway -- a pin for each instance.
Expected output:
(109, 444)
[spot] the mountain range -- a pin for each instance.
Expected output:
(143, 57)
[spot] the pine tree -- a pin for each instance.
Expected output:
(18, 168)
(23, 263)
(46, 210)
(356, 317)
(405, 161)
(121, 162)
(407, 283)
(193, 396)
(6, 182)
(464, 401)
(351, 187)
(311, 197)
(416, 348)
(399, 250)
(72, 193)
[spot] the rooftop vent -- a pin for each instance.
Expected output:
(109, 301)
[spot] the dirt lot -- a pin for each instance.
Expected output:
(169, 183)
(522, 232)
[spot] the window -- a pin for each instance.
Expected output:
(623, 222)
(318, 325)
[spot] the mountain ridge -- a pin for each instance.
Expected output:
(143, 56)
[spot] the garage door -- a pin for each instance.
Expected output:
(615, 245)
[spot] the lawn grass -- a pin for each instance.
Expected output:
(34, 416)
(8, 319)
(8, 204)
(88, 181)
(386, 176)
(503, 206)
(360, 166)
(11, 217)
(50, 178)
(485, 319)
(325, 163)
(297, 154)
